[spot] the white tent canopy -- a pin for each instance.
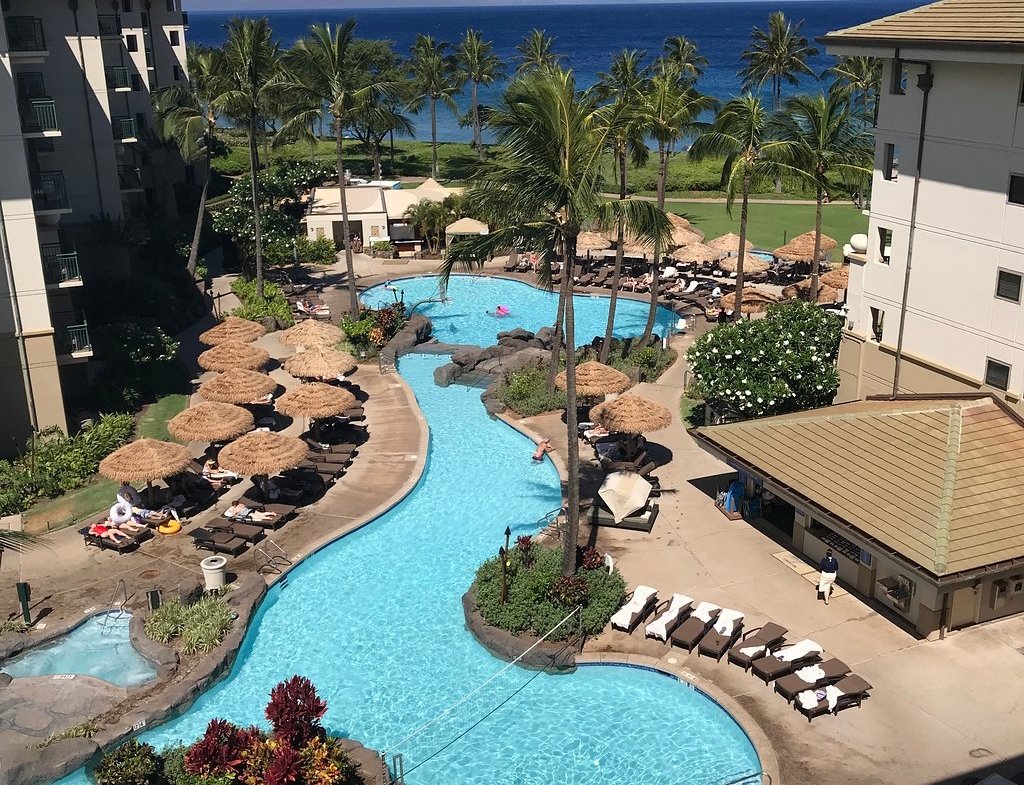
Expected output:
(466, 226)
(624, 493)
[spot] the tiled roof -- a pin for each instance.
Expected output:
(940, 481)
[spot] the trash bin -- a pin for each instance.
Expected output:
(213, 572)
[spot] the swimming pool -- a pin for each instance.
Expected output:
(465, 318)
(99, 646)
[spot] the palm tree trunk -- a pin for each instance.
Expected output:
(433, 138)
(738, 310)
(662, 172)
(353, 298)
(652, 314)
(609, 328)
(391, 134)
(258, 233)
(193, 251)
(564, 294)
(477, 140)
(572, 458)
(817, 248)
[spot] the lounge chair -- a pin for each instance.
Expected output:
(811, 677)
(284, 513)
(724, 633)
(346, 449)
(640, 606)
(692, 630)
(641, 521)
(666, 623)
(218, 541)
(250, 532)
(107, 544)
(786, 660)
(601, 277)
(511, 264)
(848, 691)
(757, 643)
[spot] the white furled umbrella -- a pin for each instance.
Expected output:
(624, 493)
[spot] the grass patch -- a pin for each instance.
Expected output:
(692, 411)
(73, 506)
(153, 420)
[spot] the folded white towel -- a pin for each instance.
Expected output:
(704, 611)
(659, 627)
(811, 673)
(753, 651)
(832, 694)
(807, 699)
(727, 620)
(798, 650)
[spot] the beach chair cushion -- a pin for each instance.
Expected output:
(667, 622)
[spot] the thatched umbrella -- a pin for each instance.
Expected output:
(838, 279)
(697, 253)
(594, 378)
(754, 301)
(631, 414)
(684, 237)
(728, 243)
(751, 264)
(145, 459)
(678, 222)
(232, 329)
(592, 241)
(315, 400)
(210, 422)
(237, 386)
(263, 452)
(233, 354)
(320, 362)
(311, 332)
(801, 248)
(802, 291)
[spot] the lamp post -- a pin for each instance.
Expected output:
(503, 554)
(508, 533)
(295, 252)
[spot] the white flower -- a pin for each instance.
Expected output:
(819, 386)
(728, 357)
(714, 351)
(760, 400)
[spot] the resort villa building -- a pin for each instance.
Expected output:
(77, 155)
(914, 483)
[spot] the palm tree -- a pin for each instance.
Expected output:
(380, 114)
(624, 84)
(17, 541)
(856, 78)
(681, 52)
(777, 55)
(434, 78)
(243, 91)
(480, 66)
(740, 135)
(818, 139)
(328, 68)
(537, 51)
(546, 181)
(429, 219)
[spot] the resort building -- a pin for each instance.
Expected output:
(81, 166)
(940, 282)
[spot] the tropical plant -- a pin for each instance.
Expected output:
(256, 308)
(380, 113)
(201, 625)
(820, 142)
(681, 53)
(14, 541)
(133, 763)
(856, 78)
(479, 66)
(537, 50)
(435, 77)
(778, 54)
(295, 711)
(740, 135)
(429, 218)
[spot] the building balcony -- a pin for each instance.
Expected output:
(124, 129)
(25, 36)
(72, 342)
(38, 117)
(49, 196)
(60, 269)
(109, 25)
(118, 79)
(129, 179)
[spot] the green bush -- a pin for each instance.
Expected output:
(134, 763)
(172, 768)
(526, 392)
(83, 730)
(12, 625)
(254, 308)
(201, 626)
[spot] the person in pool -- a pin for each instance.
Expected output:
(543, 447)
(501, 310)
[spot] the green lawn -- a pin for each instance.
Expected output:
(74, 506)
(153, 420)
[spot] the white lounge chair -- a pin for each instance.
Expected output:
(639, 607)
(691, 287)
(673, 616)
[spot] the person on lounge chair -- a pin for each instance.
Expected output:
(132, 526)
(109, 532)
(239, 510)
(306, 306)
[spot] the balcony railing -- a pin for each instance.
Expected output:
(124, 128)
(48, 192)
(59, 267)
(38, 115)
(25, 34)
(118, 78)
(74, 339)
(109, 24)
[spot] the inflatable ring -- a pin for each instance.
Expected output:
(120, 513)
(171, 527)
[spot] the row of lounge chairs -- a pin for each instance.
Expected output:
(812, 686)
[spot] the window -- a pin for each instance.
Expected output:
(899, 78)
(891, 162)
(877, 323)
(175, 38)
(126, 6)
(140, 120)
(30, 85)
(132, 42)
(997, 374)
(136, 82)
(177, 73)
(170, 5)
(884, 244)
(1016, 195)
(1008, 286)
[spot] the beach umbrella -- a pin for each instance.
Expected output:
(624, 493)
(683, 237)
(801, 248)
(237, 386)
(232, 329)
(631, 414)
(697, 253)
(728, 243)
(210, 422)
(311, 332)
(754, 301)
(751, 264)
(320, 362)
(838, 279)
(263, 452)
(594, 378)
(316, 400)
(802, 291)
(145, 460)
(233, 354)
(592, 241)
(678, 222)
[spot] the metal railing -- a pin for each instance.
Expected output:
(117, 78)
(38, 114)
(109, 24)
(75, 338)
(48, 191)
(25, 34)
(124, 128)
(60, 267)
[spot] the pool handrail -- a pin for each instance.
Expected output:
(113, 598)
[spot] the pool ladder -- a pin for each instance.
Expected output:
(113, 599)
(553, 518)
(274, 558)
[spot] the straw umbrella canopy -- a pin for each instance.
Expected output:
(802, 291)
(754, 301)
(210, 421)
(594, 378)
(237, 385)
(232, 329)
(592, 241)
(315, 400)
(838, 279)
(631, 414)
(728, 243)
(678, 222)
(311, 332)
(697, 253)
(320, 362)
(801, 248)
(145, 460)
(263, 452)
(751, 264)
(233, 354)
(686, 236)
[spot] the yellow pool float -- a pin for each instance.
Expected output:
(171, 527)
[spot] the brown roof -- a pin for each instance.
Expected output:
(936, 480)
(976, 24)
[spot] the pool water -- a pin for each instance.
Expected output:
(465, 319)
(98, 647)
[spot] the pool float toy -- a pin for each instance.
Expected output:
(120, 513)
(501, 310)
(171, 527)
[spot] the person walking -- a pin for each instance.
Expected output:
(829, 568)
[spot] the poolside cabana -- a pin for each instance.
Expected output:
(697, 253)
(595, 379)
(838, 279)
(145, 460)
(752, 265)
(465, 227)
(729, 244)
(801, 248)
(320, 362)
(802, 291)
(315, 400)
(311, 332)
(632, 414)
(263, 452)
(754, 301)
(592, 241)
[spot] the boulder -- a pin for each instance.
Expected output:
(525, 359)
(545, 335)
(514, 343)
(446, 374)
(536, 343)
(5, 679)
(467, 358)
(422, 328)
(23, 767)
(519, 334)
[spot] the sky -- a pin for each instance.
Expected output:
(287, 5)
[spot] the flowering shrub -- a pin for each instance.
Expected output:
(782, 363)
(591, 558)
(568, 590)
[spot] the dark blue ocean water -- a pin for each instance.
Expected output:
(587, 34)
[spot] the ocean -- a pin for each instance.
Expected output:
(588, 35)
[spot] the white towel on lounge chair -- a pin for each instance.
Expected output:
(832, 695)
(807, 699)
(811, 673)
(752, 651)
(727, 620)
(798, 650)
(704, 611)
(659, 627)
(625, 615)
